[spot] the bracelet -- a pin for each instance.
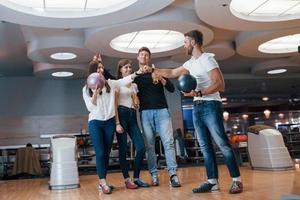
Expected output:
(117, 123)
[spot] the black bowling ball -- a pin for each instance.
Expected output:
(186, 83)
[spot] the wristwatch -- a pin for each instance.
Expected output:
(199, 93)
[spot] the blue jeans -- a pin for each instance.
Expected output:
(153, 121)
(102, 134)
(208, 123)
(129, 123)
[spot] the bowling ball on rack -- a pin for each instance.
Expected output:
(80, 141)
(242, 138)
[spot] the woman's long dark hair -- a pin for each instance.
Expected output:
(122, 63)
(93, 67)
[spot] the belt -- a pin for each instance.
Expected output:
(198, 102)
(126, 108)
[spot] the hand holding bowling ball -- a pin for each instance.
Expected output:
(95, 81)
(186, 83)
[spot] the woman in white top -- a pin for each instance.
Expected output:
(101, 105)
(126, 123)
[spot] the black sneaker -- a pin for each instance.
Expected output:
(141, 183)
(206, 187)
(174, 181)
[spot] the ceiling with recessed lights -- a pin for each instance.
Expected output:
(67, 8)
(249, 39)
(266, 10)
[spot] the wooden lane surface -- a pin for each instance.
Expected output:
(260, 185)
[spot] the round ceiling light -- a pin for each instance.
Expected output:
(63, 56)
(265, 98)
(155, 40)
(266, 10)
(62, 74)
(68, 8)
(286, 44)
(277, 71)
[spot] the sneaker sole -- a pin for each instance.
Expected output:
(143, 186)
(211, 191)
(235, 192)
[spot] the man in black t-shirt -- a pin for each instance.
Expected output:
(155, 117)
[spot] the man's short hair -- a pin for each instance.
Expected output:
(144, 49)
(196, 35)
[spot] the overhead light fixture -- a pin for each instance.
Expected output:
(277, 71)
(63, 56)
(281, 115)
(62, 74)
(39, 9)
(266, 10)
(245, 117)
(285, 44)
(226, 115)
(265, 98)
(68, 8)
(267, 113)
(155, 40)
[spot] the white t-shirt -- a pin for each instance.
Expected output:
(125, 94)
(199, 68)
(105, 108)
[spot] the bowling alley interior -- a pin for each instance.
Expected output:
(47, 46)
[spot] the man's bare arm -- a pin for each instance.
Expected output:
(218, 83)
(171, 73)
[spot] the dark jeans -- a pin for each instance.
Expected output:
(102, 134)
(129, 123)
(181, 146)
(208, 123)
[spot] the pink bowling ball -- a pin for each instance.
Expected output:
(95, 80)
